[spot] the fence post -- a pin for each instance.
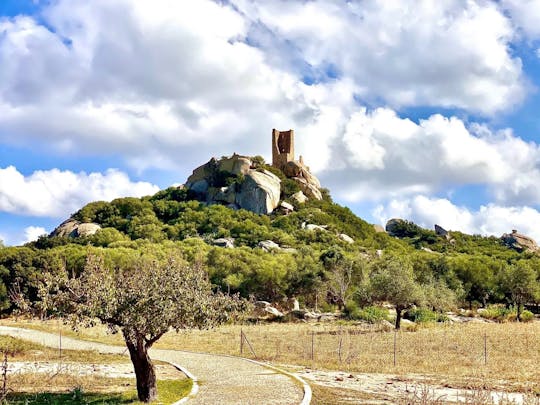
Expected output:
(339, 348)
(241, 341)
(312, 345)
(249, 345)
(395, 346)
(485, 348)
(60, 341)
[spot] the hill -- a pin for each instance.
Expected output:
(271, 243)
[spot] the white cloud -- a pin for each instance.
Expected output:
(382, 155)
(152, 80)
(525, 15)
(489, 219)
(56, 193)
(149, 81)
(31, 233)
(452, 53)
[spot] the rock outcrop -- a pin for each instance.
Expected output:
(299, 197)
(313, 227)
(346, 238)
(259, 192)
(264, 310)
(268, 245)
(286, 207)
(440, 231)
(235, 182)
(75, 229)
(308, 183)
(519, 242)
(392, 225)
(224, 242)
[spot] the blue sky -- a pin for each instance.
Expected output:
(426, 110)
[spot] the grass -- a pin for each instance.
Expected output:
(450, 353)
(72, 388)
(21, 350)
(169, 391)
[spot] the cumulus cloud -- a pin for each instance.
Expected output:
(383, 155)
(56, 193)
(451, 53)
(490, 219)
(149, 80)
(525, 15)
(31, 233)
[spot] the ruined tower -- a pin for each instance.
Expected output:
(282, 148)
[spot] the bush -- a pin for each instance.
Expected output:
(527, 316)
(371, 314)
(425, 315)
(498, 313)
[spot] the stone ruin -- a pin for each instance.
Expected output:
(282, 148)
(251, 187)
(283, 159)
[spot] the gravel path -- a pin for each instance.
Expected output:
(222, 379)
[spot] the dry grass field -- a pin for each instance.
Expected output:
(468, 354)
(50, 375)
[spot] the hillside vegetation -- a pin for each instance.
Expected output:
(313, 264)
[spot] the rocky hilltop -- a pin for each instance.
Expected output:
(401, 228)
(75, 229)
(243, 182)
(519, 242)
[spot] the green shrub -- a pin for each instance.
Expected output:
(498, 313)
(527, 316)
(425, 315)
(371, 314)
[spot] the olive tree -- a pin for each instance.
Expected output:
(518, 282)
(392, 280)
(143, 300)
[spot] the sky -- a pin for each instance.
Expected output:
(426, 110)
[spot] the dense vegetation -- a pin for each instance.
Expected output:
(418, 268)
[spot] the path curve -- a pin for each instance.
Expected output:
(221, 379)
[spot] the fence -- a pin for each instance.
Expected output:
(453, 350)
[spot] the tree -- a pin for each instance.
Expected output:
(518, 282)
(339, 276)
(143, 300)
(392, 279)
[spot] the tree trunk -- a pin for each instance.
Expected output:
(144, 369)
(519, 309)
(398, 317)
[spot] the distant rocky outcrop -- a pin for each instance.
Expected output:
(440, 231)
(393, 225)
(238, 183)
(346, 238)
(75, 229)
(268, 245)
(519, 242)
(234, 181)
(224, 242)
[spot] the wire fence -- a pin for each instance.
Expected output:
(436, 350)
